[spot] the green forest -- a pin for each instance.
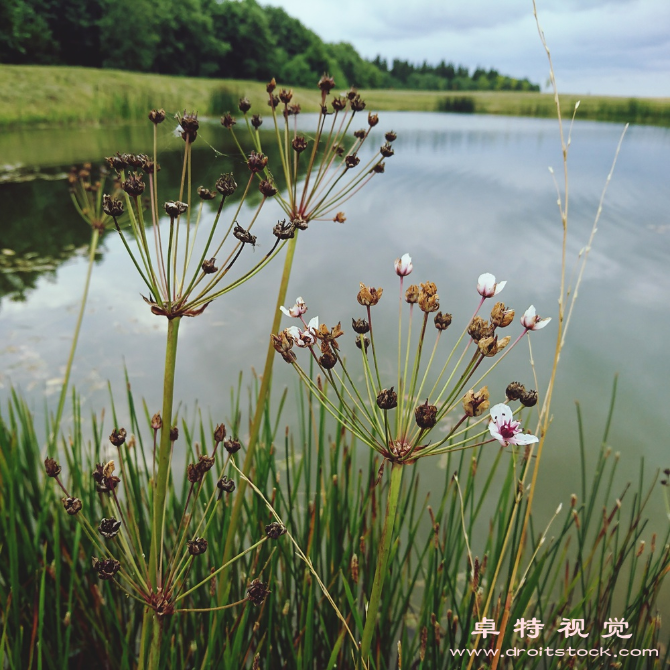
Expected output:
(239, 39)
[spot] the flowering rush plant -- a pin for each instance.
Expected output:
(398, 417)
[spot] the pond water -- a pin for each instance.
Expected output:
(463, 195)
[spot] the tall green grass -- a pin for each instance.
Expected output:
(55, 613)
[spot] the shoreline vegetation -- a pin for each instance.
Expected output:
(53, 96)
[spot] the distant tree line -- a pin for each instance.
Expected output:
(238, 39)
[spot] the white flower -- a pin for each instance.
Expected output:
(297, 310)
(531, 321)
(505, 429)
(177, 132)
(403, 266)
(307, 337)
(487, 287)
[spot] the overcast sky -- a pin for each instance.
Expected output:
(613, 47)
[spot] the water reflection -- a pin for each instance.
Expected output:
(463, 195)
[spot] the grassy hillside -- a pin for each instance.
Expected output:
(38, 96)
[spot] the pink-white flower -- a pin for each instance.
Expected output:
(403, 266)
(307, 337)
(531, 321)
(505, 429)
(297, 310)
(487, 287)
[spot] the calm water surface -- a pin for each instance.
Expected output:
(463, 195)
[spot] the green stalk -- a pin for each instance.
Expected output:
(95, 237)
(382, 560)
(228, 552)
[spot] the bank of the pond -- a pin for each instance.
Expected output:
(41, 95)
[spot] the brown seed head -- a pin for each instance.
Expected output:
(442, 321)
(197, 546)
(232, 445)
(209, 267)
(157, 116)
(475, 404)
(72, 505)
(220, 433)
(257, 162)
(112, 206)
(109, 527)
(412, 294)
(366, 343)
(156, 422)
(51, 466)
(267, 188)
(369, 296)
(228, 121)
(429, 301)
(501, 316)
(373, 119)
(391, 136)
(133, 160)
(106, 568)
(339, 104)
(284, 230)
(426, 416)
(226, 485)
(105, 479)
(226, 184)
(118, 437)
(133, 185)
(189, 123)
(193, 473)
(478, 329)
(360, 326)
(489, 346)
(275, 530)
(285, 95)
(294, 109)
(387, 399)
(299, 144)
(283, 343)
(272, 84)
(116, 162)
(257, 592)
(515, 390)
(175, 208)
(326, 84)
(360, 134)
(352, 161)
(150, 166)
(339, 218)
(256, 121)
(243, 235)
(529, 399)
(273, 101)
(174, 434)
(357, 103)
(386, 150)
(244, 105)
(328, 360)
(378, 168)
(205, 193)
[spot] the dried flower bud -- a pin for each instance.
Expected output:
(285, 95)
(105, 479)
(174, 434)
(209, 267)
(299, 144)
(360, 326)
(386, 150)
(529, 399)
(391, 136)
(373, 120)
(267, 188)
(357, 103)
(205, 193)
(256, 121)
(51, 466)
(284, 230)
(156, 422)
(425, 415)
(109, 527)
(150, 166)
(133, 160)
(275, 530)
(118, 437)
(475, 404)
(257, 592)
(387, 399)
(366, 343)
(515, 390)
(226, 184)
(378, 168)
(197, 546)
(175, 208)
(244, 105)
(225, 484)
(360, 134)
(283, 343)
(116, 162)
(256, 162)
(228, 121)
(442, 321)
(339, 104)
(328, 360)
(273, 101)
(352, 161)
(412, 294)
(133, 185)
(478, 329)
(112, 206)
(368, 296)
(326, 84)
(219, 433)
(189, 124)
(501, 316)
(243, 235)
(106, 568)
(429, 301)
(193, 473)
(157, 116)
(294, 109)
(490, 346)
(339, 218)
(72, 505)
(232, 445)
(272, 84)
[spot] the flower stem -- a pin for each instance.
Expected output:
(95, 236)
(382, 560)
